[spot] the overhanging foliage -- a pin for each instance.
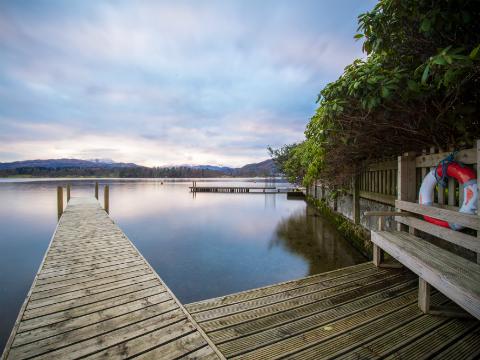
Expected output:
(418, 87)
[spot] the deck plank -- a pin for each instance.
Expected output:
(341, 294)
(97, 307)
(66, 328)
(262, 337)
(75, 282)
(305, 292)
(96, 296)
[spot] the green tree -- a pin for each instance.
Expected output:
(418, 86)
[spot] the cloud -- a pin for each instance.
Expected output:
(159, 82)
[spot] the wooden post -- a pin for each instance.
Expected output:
(376, 250)
(423, 295)
(356, 200)
(377, 255)
(106, 199)
(381, 223)
(478, 187)
(406, 181)
(96, 190)
(451, 188)
(68, 193)
(441, 189)
(59, 202)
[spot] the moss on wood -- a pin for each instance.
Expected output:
(357, 235)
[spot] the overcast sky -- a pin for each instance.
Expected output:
(166, 82)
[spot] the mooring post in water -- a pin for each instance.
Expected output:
(59, 201)
(68, 193)
(96, 190)
(106, 200)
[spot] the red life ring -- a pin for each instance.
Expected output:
(465, 176)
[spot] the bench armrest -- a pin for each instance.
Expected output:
(381, 214)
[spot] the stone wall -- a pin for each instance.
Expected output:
(342, 203)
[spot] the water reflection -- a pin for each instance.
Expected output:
(307, 234)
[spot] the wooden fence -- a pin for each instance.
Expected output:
(380, 180)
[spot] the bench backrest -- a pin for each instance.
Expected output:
(411, 171)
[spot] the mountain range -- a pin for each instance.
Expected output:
(70, 166)
(64, 163)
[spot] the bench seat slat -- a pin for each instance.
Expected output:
(467, 220)
(454, 276)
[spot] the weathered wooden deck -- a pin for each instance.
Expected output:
(360, 312)
(95, 296)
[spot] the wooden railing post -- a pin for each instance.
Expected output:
(106, 199)
(478, 187)
(407, 186)
(68, 193)
(96, 190)
(59, 202)
(451, 187)
(356, 200)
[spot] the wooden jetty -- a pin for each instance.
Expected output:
(359, 312)
(95, 296)
(246, 189)
(232, 189)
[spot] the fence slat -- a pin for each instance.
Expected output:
(441, 189)
(424, 170)
(389, 182)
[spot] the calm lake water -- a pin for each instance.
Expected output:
(203, 246)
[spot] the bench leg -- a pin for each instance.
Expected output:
(423, 295)
(378, 259)
(424, 304)
(377, 255)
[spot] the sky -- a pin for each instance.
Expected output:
(166, 82)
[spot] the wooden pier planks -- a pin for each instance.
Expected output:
(95, 296)
(359, 312)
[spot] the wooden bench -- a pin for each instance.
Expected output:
(453, 275)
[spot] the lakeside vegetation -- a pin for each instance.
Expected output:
(86, 168)
(418, 87)
(134, 172)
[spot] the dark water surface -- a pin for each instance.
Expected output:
(204, 246)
